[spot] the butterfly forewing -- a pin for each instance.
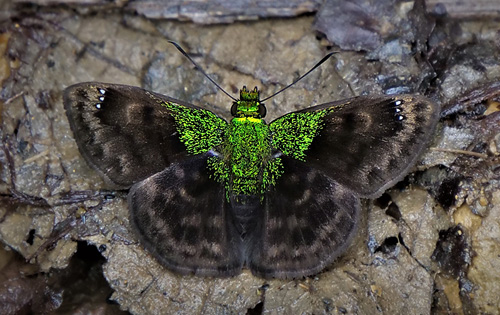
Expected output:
(124, 132)
(369, 143)
(183, 218)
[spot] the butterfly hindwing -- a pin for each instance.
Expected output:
(126, 133)
(365, 143)
(308, 220)
(183, 218)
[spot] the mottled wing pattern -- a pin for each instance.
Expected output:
(182, 217)
(123, 131)
(309, 220)
(370, 143)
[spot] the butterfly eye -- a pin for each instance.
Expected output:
(262, 110)
(234, 109)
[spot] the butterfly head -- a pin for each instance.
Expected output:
(248, 105)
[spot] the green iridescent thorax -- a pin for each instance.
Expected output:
(248, 150)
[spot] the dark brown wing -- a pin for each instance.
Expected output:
(183, 218)
(309, 220)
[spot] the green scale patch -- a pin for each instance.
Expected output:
(200, 130)
(294, 133)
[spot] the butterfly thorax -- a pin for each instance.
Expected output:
(248, 149)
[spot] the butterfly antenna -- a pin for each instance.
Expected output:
(325, 58)
(196, 66)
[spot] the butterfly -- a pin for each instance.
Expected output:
(210, 197)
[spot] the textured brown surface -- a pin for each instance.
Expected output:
(389, 265)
